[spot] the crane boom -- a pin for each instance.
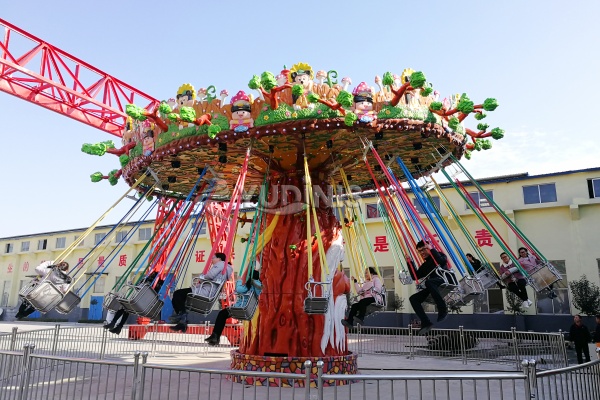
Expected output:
(52, 78)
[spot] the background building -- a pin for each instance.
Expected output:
(558, 212)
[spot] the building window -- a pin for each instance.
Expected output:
(61, 242)
(42, 244)
(99, 285)
(434, 199)
(561, 304)
(5, 293)
(372, 211)
(98, 237)
(145, 233)
(537, 194)
(594, 187)
(387, 275)
(9, 248)
(121, 237)
(25, 246)
(480, 200)
(80, 243)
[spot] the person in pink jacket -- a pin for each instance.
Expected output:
(368, 292)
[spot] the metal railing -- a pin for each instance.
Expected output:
(30, 376)
(548, 349)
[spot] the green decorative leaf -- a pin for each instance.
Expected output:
(268, 81)
(417, 79)
(254, 83)
(350, 119)
(164, 108)
(468, 155)
(298, 90)
(482, 127)
(124, 160)
(213, 130)
(497, 133)
(188, 114)
(96, 176)
(345, 99)
(486, 144)
(150, 198)
(135, 112)
(490, 104)
(430, 118)
(480, 116)
(465, 105)
(453, 123)
(436, 105)
(313, 97)
(426, 91)
(478, 144)
(388, 79)
(173, 117)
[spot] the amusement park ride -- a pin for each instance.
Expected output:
(298, 151)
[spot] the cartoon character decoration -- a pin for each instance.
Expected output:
(128, 132)
(186, 95)
(363, 103)
(241, 119)
(148, 138)
(302, 74)
(411, 99)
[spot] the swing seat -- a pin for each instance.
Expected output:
(487, 278)
(449, 285)
(69, 301)
(111, 302)
(198, 301)
(245, 306)
(543, 276)
(317, 301)
(44, 296)
(141, 300)
(405, 278)
(25, 290)
(380, 302)
(471, 286)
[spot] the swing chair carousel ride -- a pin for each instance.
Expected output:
(298, 151)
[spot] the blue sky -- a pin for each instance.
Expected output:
(539, 59)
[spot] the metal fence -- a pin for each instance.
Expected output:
(547, 349)
(31, 376)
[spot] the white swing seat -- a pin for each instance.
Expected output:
(487, 278)
(69, 301)
(471, 286)
(317, 301)
(44, 294)
(244, 306)
(380, 303)
(201, 303)
(405, 278)
(543, 276)
(141, 300)
(111, 301)
(449, 285)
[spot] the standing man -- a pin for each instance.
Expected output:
(432, 260)
(580, 336)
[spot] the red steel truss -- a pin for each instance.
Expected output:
(40, 73)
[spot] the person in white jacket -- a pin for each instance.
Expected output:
(368, 291)
(60, 280)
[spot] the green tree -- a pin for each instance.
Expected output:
(586, 296)
(514, 303)
(267, 85)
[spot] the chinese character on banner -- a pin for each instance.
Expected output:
(100, 260)
(123, 260)
(10, 268)
(26, 266)
(200, 255)
(381, 244)
(484, 238)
